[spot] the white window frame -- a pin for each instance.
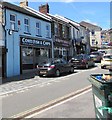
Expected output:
(13, 22)
(27, 26)
(56, 29)
(38, 28)
(48, 31)
(63, 31)
(93, 41)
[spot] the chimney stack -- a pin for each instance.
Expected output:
(44, 9)
(24, 3)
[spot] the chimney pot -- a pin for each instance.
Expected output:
(44, 8)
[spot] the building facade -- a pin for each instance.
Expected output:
(95, 34)
(110, 34)
(60, 34)
(27, 38)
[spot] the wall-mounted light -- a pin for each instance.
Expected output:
(10, 32)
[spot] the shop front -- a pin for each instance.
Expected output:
(62, 49)
(33, 51)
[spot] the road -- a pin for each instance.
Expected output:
(80, 106)
(54, 88)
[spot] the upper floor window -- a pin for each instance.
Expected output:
(68, 32)
(63, 31)
(38, 28)
(93, 41)
(26, 25)
(93, 32)
(56, 29)
(48, 31)
(12, 22)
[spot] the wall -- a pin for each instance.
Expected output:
(13, 40)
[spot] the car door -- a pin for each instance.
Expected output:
(88, 60)
(91, 60)
(59, 65)
(65, 65)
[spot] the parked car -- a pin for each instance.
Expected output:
(102, 51)
(82, 61)
(54, 67)
(106, 61)
(96, 56)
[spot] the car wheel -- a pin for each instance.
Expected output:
(102, 67)
(40, 75)
(87, 66)
(57, 73)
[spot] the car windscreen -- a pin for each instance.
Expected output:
(78, 57)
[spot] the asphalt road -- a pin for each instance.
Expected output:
(78, 107)
(45, 92)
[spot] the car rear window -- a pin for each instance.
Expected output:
(78, 57)
(95, 53)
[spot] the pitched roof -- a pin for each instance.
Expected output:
(86, 24)
(25, 10)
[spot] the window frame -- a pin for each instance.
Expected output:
(27, 26)
(14, 23)
(47, 31)
(38, 29)
(56, 29)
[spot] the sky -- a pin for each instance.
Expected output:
(97, 13)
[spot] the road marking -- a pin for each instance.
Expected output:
(51, 103)
(31, 116)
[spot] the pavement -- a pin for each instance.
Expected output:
(19, 82)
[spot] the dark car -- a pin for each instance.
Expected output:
(96, 56)
(54, 67)
(82, 61)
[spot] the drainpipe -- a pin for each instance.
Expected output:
(5, 36)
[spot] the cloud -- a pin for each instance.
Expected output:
(89, 21)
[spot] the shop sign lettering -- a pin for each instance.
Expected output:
(26, 41)
(66, 43)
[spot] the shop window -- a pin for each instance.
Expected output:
(44, 52)
(12, 22)
(38, 28)
(27, 55)
(26, 25)
(47, 31)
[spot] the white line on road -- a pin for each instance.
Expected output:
(52, 103)
(31, 116)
